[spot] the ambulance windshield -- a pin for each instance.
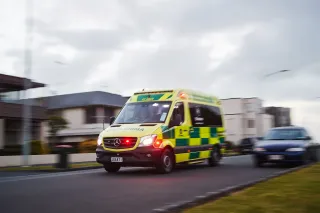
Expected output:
(146, 112)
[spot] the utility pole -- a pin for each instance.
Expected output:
(27, 82)
(267, 76)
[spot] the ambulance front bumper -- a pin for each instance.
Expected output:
(140, 157)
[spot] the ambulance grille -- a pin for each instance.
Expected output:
(119, 142)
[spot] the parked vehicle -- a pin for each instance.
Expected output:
(246, 145)
(286, 145)
(163, 128)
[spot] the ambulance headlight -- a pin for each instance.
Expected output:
(100, 139)
(147, 140)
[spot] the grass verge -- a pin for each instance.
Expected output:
(295, 192)
(50, 167)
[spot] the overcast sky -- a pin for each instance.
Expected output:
(223, 47)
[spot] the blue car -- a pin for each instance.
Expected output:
(285, 145)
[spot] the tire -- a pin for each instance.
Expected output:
(215, 157)
(111, 168)
(166, 163)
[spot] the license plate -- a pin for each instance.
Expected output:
(275, 157)
(116, 159)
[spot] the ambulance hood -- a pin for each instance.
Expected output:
(130, 130)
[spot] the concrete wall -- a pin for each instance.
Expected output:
(75, 117)
(2, 136)
(238, 112)
(234, 128)
(268, 121)
(78, 130)
(232, 106)
(6, 161)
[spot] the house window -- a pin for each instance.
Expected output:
(250, 123)
(91, 115)
(108, 112)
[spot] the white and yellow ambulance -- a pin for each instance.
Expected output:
(162, 129)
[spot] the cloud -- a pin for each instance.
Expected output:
(220, 47)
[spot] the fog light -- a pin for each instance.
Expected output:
(148, 155)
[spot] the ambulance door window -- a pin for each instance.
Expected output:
(177, 117)
(197, 115)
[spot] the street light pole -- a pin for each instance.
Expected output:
(27, 82)
(274, 73)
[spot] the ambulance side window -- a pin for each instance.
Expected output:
(177, 117)
(197, 117)
(205, 116)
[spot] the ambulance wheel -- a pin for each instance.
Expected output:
(166, 162)
(214, 158)
(111, 168)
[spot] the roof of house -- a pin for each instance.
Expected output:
(83, 99)
(13, 83)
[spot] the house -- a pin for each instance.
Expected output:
(244, 117)
(282, 115)
(11, 112)
(85, 113)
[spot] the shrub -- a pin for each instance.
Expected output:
(36, 148)
(88, 146)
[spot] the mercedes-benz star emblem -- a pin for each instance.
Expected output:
(117, 142)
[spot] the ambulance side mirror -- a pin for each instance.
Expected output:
(112, 119)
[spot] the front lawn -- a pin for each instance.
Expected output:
(297, 192)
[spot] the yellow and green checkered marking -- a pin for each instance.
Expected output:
(200, 136)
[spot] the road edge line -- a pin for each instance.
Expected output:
(212, 196)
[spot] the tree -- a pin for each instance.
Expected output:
(57, 123)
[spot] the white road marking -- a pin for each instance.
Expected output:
(52, 175)
(62, 174)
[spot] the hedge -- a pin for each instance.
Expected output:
(36, 148)
(88, 146)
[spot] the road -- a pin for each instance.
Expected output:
(130, 190)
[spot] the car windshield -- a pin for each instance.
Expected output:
(285, 134)
(146, 112)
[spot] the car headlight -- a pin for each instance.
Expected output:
(100, 139)
(297, 149)
(259, 149)
(147, 140)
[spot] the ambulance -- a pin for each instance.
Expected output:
(162, 129)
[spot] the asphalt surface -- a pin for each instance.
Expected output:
(131, 190)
